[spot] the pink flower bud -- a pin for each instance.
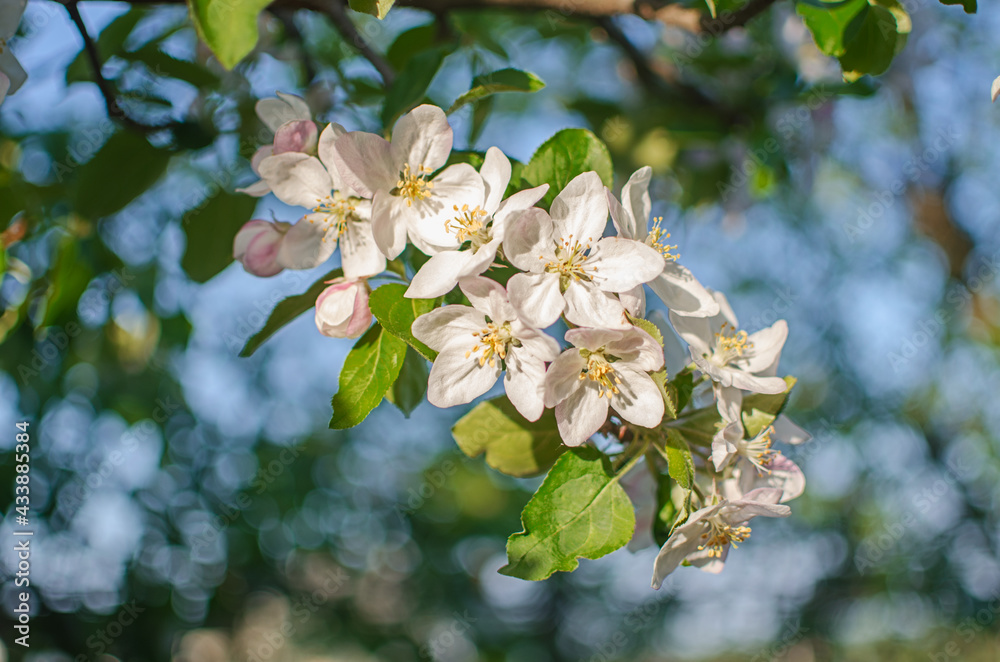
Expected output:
(298, 136)
(256, 246)
(342, 309)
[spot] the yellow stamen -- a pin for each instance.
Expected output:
(758, 450)
(494, 340)
(413, 184)
(472, 225)
(731, 344)
(721, 534)
(571, 260)
(656, 233)
(337, 211)
(600, 370)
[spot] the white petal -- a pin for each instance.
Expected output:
(581, 209)
(296, 179)
(365, 162)
(536, 298)
(789, 432)
(327, 151)
(593, 339)
(639, 348)
(725, 310)
(495, 172)
(729, 403)
(763, 501)
(581, 415)
(428, 221)
(535, 343)
(422, 137)
(563, 376)
(724, 444)
(511, 208)
(639, 400)
(588, 306)
(456, 379)
(678, 546)
(748, 382)
(453, 324)
(257, 190)
(529, 241)
(525, 383)
(389, 214)
(636, 201)
(622, 264)
(305, 245)
(767, 344)
(439, 275)
(275, 111)
(621, 219)
(695, 331)
(682, 293)
(488, 297)
(360, 257)
(634, 301)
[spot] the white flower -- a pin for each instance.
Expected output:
(604, 362)
(477, 343)
(336, 212)
(704, 539)
(570, 268)
(342, 309)
(757, 464)
(733, 359)
(396, 176)
(676, 286)
(478, 231)
(290, 119)
(12, 75)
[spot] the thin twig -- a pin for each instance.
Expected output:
(337, 11)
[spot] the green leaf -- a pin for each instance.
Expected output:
(871, 40)
(228, 27)
(756, 420)
(409, 43)
(409, 388)
(377, 8)
(396, 313)
(136, 166)
(580, 511)
(504, 80)
(210, 229)
(669, 393)
(680, 463)
(828, 20)
(369, 370)
(565, 155)
(287, 310)
(68, 279)
(684, 383)
(969, 5)
(410, 86)
(513, 445)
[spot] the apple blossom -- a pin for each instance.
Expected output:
(705, 538)
(476, 344)
(478, 231)
(397, 177)
(342, 309)
(256, 246)
(569, 267)
(675, 285)
(290, 119)
(604, 362)
(12, 74)
(757, 464)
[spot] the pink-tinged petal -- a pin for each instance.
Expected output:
(588, 306)
(327, 152)
(622, 264)
(682, 293)
(439, 275)
(456, 379)
(297, 136)
(634, 301)
(306, 244)
(782, 474)
(359, 255)
(458, 325)
(257, 190)
(258, 156)
(296, 179)
(636, 201)
(638, 348)
(389, 223)
(342, 309)
(365, 162)
(563, 377)
(488, 297)
(639, 400)
(581, 415)
(529, 241)
(581, 209)
(256, 246)
(536, 298)
(767, 345)
(788, 432)
(760, 502)
(681, 543)
(695, 331)
(15, 73)
(511, 208)
(525, 383)
(277, 111)
(422, 137)
(495, 172)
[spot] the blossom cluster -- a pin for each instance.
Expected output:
(371, 197)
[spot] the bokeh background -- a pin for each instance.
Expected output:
(191, 505)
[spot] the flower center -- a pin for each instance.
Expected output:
(758, 450)
(413, 184)
(470, 225)
(730, 344)
(571, 261)
(337, 212)
(721, 534)
(655, 237)
(599, 370)
(493, 340)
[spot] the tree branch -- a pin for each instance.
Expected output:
(336, 10)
